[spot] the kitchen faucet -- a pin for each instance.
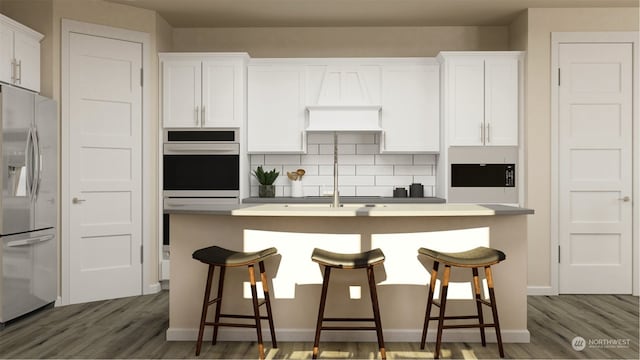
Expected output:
(336, 195)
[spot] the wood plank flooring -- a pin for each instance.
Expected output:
(134, 328)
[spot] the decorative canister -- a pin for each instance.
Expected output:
(416, 190)
(399, 192)
(296, 189)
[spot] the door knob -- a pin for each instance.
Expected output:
(77, 201)
(625, 199)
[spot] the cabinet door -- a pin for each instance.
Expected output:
(181, 93)
(276, 111)
(411, 108)
(501, 101)
(6, 54)
(465, 100)
(222, 91)
(27, 55)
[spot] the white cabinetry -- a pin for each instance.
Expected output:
(481, 97)
(203, 90)
(411, 106)
(276, 107)
(19, 54)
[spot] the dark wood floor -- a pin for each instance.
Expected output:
(134, 328)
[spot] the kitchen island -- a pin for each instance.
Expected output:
(398, 229)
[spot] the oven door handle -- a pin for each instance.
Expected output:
(201, 149)
(197, 203)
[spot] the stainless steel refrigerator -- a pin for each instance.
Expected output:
(28, 205)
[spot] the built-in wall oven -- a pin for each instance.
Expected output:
(201, 169)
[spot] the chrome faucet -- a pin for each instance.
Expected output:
(336, 193)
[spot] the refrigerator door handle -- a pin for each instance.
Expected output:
(30, 241)
(29, 163)
(38, 163)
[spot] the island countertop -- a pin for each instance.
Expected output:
(351, 209)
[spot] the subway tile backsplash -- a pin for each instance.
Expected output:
(362, 170)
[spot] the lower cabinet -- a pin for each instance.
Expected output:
(411, 107)
(276, 108)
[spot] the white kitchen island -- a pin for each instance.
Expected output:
(398, 229)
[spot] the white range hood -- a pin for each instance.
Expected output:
(344, 118)
(344, 104)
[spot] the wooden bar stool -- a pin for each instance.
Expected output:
(223, 258)
(474, 259)
(331, 260)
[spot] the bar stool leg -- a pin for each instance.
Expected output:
(476, 287)
(376, 310)
(214, 339)
(323, 299)
(443, 305)
(256, 310)
(205, 306)
(427, 316)
(494, 308)
(267, 300)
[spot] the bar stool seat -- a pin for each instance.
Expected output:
(331, 260)
(475, 258)
(478, 257)
(216, 256)
(347, 261)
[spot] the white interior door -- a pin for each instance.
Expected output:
(105, 214)
(595, 167)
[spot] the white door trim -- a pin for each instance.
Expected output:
(592, 37)
(149, 283)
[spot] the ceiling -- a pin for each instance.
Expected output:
(277, 13)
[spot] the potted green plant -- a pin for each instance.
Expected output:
(266, 180)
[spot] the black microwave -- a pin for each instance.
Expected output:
(483, 175)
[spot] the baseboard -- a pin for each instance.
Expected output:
(306, 335)
(152, 289)
(540, 291)
(58, 301)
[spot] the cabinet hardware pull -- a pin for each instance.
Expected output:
(14, 71)
(19, 72)
(76, 200)
(625, 199)
(488, 133)
(204, 120)
(482, 133)
(197, 115)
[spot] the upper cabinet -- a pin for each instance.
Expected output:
(19, 54)
(203, 90)
(397, 98)
(410, 107)
(481, 92)
(276, 107)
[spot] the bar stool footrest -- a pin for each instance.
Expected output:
(468, 326)
(348, 328)
(348, 319)
(459, 317)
